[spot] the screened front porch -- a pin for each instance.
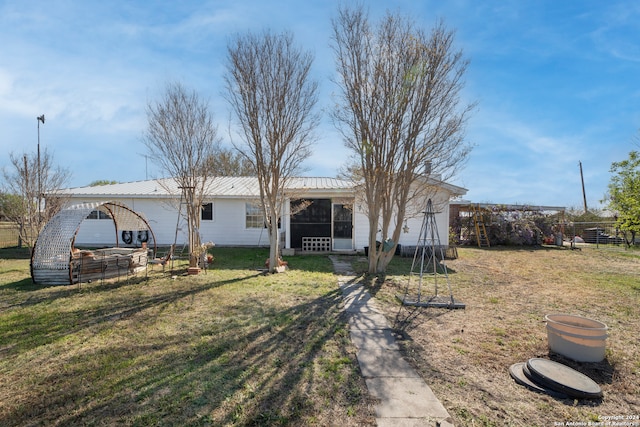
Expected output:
(322, 225)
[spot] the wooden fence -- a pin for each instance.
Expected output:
(9, 235)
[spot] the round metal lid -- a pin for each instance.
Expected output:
(518, 372)
(562, 378)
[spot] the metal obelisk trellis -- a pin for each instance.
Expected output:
(428, 269)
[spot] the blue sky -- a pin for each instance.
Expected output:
(556, 82)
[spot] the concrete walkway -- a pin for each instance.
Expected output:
(405, 400)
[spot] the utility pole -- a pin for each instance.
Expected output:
(39, 172)
(584, 195)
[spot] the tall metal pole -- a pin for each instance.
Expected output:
(584, 195)
(39, 172)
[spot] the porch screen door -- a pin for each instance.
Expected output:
(342, 226)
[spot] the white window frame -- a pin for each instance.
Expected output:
(253, 216)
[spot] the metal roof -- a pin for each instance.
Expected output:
(224, 186)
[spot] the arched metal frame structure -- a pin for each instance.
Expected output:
(55, 261)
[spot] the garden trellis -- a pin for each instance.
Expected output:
(55, 260)
(429, 270)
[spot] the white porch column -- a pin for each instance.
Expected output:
(286, 221)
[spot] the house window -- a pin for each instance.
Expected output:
(207, 212)
(255, 219)
(253, 216)
(98, 215)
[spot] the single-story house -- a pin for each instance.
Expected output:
(334, 218)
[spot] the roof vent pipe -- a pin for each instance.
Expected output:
(427, 168)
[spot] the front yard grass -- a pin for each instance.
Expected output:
(235, 347)
(229, 347)
(464, 355)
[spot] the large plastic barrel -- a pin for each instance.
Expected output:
(576, 337)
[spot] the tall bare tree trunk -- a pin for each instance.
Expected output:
(273, 97)
(399, 113)
(24, 182)
(182, 138)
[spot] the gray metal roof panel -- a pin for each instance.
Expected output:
(225, 186)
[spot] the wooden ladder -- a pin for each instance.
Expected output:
(481, 231)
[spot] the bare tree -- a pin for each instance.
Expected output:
(181, 138)
(399, 113)
(24, 180)
(273, 97)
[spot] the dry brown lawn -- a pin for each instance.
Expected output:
(464, 355)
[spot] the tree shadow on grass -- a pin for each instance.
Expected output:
(22, 285)
(286, 368)
(411, 317)
(49, 325)
(224, 371)
(15, 253)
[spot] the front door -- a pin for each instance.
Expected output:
(342, 227)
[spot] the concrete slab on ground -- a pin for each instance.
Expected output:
(384, 364)
(362, 304)
(405, 398)
(374, 339)
(368, 320)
